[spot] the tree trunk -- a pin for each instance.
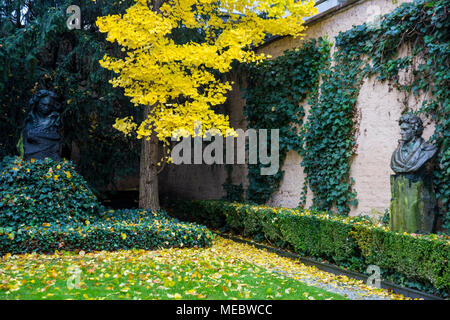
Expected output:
(148, 175)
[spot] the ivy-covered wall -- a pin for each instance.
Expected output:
(273, 95)
(378, 107)
(352, 123)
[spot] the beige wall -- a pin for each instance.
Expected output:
(379, 108)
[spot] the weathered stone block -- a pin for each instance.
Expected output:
(413, 203)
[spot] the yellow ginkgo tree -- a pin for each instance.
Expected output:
(178, 84)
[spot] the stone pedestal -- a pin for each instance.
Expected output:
(413, 203)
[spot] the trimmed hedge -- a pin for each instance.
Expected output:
(122, 229)
(351, 242)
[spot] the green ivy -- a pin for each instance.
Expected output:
(43, 191)
(46, 205)
(274, 93)
(233, 192)
(329, 133)
(113, 230)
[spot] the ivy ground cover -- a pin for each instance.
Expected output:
(207, 273)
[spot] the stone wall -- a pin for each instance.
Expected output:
(379, 107)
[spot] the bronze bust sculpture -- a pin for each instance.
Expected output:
(413, 152)
(40, 135)
(413, 203)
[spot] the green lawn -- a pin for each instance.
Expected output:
(139, 274)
